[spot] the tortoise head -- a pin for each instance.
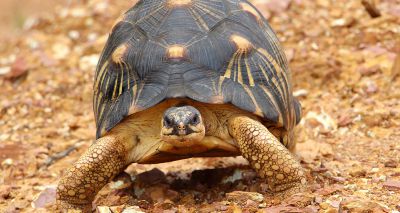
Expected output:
(182, 126)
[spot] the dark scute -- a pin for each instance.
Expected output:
(146, 56)
(266, 105)
(114, 75)
(152, 24)
(272, 73)
(115, 111)
(212, 51)
(252, 28)
(297, 108)
(201, 89)
(240, 98)
(173, 22)
(154, 88)
(144, 8)
(260, 35)
(179, 37)
(121, 33)
(211, 12)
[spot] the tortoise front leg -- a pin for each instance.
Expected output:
(98, 165)
(267, 156)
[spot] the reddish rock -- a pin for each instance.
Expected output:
(392, 185)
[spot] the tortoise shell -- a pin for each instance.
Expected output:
(211, 51)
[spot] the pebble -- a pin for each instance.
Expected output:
(242, 197)
(391, 164)
(358, 205)
(88, 62)
(73, 34)
(4, 70)
(357, 171)
(375, 170)
(132, 209)
(392, 185)
(45, 197)
(7, 162)
(122, 181)
(300, 93)
(60, 50)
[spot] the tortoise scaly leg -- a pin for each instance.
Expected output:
(267, 156)
(94, 169)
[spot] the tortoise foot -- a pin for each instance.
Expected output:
(80, 184)
(268, 156)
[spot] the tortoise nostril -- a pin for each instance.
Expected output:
(181, 126)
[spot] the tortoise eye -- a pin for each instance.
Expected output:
(195, 119)
(167, 121)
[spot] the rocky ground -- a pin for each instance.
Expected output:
(345, 60)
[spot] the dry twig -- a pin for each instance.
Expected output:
(371, 8)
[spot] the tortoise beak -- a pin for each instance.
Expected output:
(181, 129)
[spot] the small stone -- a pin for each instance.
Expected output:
(122, 181)
(117, 208)
(368, 71)
(88, 62)
(358, 171)
(343, 22)
(328, 190)
(73, 34)
(356, 205)
(132, 209)
(4, 70)
(60, 50)
(382, 178)
(301, 199)
(44, 198)
(103, 209)
(300, 93)
(392, 185)
(326, 208)
(262, 205)
(237, 175)
(391, 164)
(7, 162)
(251, 204)
(344, 120)
(241, 197)
(5, 192)
(158, 193)
(371, 87)
(19, 68)
(374, 170)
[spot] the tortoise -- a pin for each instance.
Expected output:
(189, 78)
